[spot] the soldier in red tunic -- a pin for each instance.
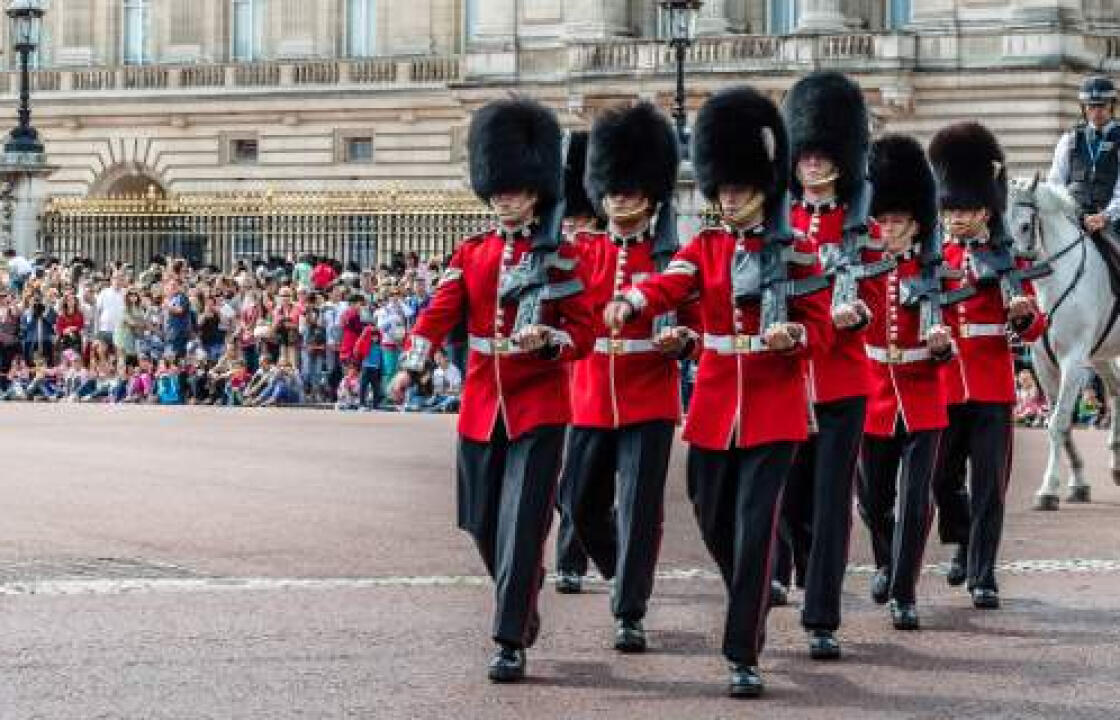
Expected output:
(519, 290)
(907, 343)
(980, 383)
(829, 136)
(762, 304)
(626, 393)
(580, 219)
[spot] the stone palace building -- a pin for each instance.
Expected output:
(210, 95)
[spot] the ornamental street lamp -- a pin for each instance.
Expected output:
(678, 25)
(27, 26)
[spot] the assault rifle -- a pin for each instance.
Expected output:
(926, 292)
(843, 261)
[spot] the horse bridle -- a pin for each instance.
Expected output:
(1082, 236)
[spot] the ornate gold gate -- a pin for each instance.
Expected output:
(368, 228)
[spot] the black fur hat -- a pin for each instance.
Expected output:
(515, 144)
(826, 113)
(970, 167)
(576, 202)
(902, 181)
(740, 139)
(632, 148)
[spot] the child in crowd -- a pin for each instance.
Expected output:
(236, 381)
(1088, 407)
(349, 395)
(19, 379)
(168, 391)
(43, 385)
(1030, 406)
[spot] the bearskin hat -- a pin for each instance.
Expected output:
(632, 148)
(516, 144)
(970, 168)
(740, 139)
(902, 181)
(576, 202)
(826, 113)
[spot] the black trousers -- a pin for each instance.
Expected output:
(902, 465)
(570, 555)
(981, 441)
(817, 510)
(736, 495)
(617, 480)
(506, 492)
(950, 484)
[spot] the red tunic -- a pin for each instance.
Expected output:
(741, 400)
(840, 370)
(526, 390)
(984, 370)
(910, 390)
(610, 390)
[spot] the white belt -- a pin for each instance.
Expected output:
(898, 356)
(493, 346)
(969, 330)
(734, 344)
(619, 346)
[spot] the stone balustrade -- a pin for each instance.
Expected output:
(218, 78)
(859, 52)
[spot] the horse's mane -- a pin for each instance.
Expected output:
(1057, 199)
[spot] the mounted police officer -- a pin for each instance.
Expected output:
(1087, 159)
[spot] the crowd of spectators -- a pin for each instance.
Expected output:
(281, 331)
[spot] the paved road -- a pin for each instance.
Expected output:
(199, 563)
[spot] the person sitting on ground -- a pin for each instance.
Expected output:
(349, 393)
(447, 384)
(236, 380)
(260, 382)
(1088, 407)
(19, 379)
(168, 391)
(43, 385)
(1030, 407)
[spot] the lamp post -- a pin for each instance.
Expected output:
(678, 26)
(24, 167)
(27, 26)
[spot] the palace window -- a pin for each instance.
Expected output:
(137, 17)
(359, 150)
(898, 14)
(243, 151)
(246, 21)
(782, 16)
(361, 28)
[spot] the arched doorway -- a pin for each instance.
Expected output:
(126, 180)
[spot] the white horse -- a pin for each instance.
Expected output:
(1084, 332)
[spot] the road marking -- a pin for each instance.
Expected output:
(126, 586)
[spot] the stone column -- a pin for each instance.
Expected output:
(29, 193)
(821, 16)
